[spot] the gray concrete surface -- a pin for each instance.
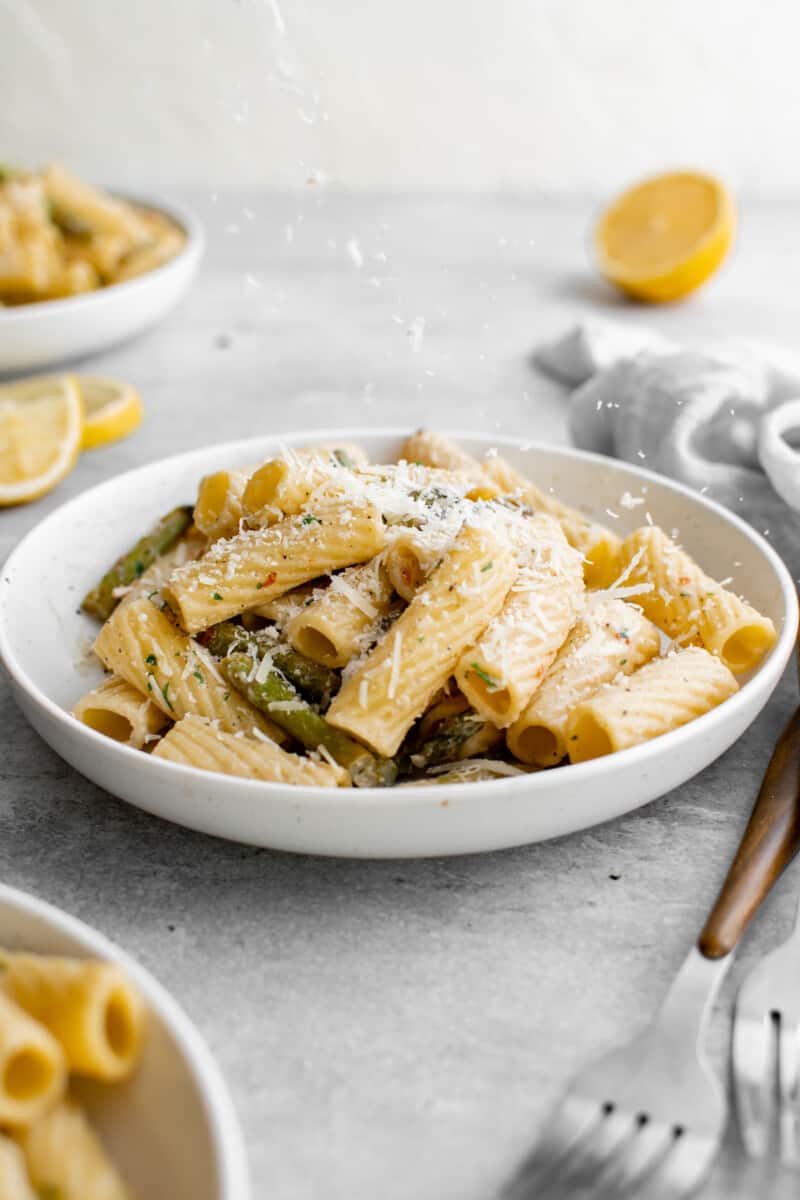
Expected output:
(398, 1029)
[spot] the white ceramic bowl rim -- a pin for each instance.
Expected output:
(229, 1150)
(410, 795)
(195, 244)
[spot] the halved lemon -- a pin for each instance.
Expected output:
(112, 410)
(41, 422)
(662, 239)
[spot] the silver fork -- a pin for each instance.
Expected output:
(649, 1118)
(766, 1033)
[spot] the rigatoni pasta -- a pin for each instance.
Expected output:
(195, 742)
(61, 1017)
(15, 1183)
(338, 623)
(89, 1007)
(394, 685)
(33, 1070)
(121, 712)
(610, 638)
(416, 621)
(662, 695)
(501, 671)
(254, 566)
(66, 1159)
(690, 606)
(141, 643)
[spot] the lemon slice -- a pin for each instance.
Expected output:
(40, 435)
(666, 236)
(112, 410)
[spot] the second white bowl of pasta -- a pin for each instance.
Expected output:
(326, 652)
(106, 1088)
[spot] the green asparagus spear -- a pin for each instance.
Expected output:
(101, 601)
(317, 683)
(445, 743)
(303, 723)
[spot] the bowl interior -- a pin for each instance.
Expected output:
(156, 1126)
(44, 634)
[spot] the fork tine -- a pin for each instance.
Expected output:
(595, 1151)
(642, 1155)
(752, 1038)
(571, 1121)
(788, 1093)
(683, 1169)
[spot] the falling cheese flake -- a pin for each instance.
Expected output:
(355, 252)
(416, 331)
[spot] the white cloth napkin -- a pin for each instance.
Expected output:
(716, 418)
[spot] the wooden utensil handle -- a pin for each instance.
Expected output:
(769, 843)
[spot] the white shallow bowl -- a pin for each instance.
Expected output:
(39, 335)
(41, 633)
(171, 1129)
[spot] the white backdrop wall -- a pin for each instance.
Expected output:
(553, 96)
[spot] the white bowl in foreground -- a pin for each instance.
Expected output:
(33, 336)
(171, 1129)
(42, 635)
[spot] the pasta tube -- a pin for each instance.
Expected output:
(501, 671)
(91, 1009)
(284, 485)
(690, 606)
(384, 696)
(218, 508)
(611, 637)
(14, 1181)
(258, 564)
(74, 199)
(33, 1071)
(269, 691)
(141, 644)
(196, 743)
(431, 449)
(662, 695)
(102, 600)
(121, 712)
(599, 546)
(66, 1159)
(337, 624)
(411, 556)
(281, 609)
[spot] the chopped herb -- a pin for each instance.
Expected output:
(622, 662)
(225, 695)
(625, 634)
(149, 687)
(685, 595)
(574, 737)
(259, 587)
(343, 458)
(309, 520)
(165, 694)
(420, 639)
(487, 566)
(198, 674)
(151, 659)
(216, 596)
(487, 679)
(138, 568)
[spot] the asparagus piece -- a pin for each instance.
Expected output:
(316, 682)
(445, 743)
(269, 696)
(101, 601)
